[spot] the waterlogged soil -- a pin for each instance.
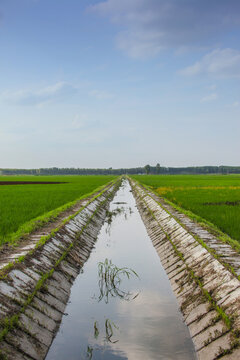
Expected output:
(229, 203)
(135, 318)
(30, 182)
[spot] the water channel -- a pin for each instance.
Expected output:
(135, 318)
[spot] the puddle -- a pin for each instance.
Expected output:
(121, 304)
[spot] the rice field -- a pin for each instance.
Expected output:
(214, 198)
(25, 205)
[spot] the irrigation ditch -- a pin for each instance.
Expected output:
(47, 279)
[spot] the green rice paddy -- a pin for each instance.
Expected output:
(214, 198)
(24, 207)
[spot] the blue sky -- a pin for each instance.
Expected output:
(119, 83)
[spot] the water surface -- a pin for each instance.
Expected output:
(149, 326)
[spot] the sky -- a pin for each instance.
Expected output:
(110, 83)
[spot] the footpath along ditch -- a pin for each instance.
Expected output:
(34, 293)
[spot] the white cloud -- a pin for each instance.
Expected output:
(219, 63)
(58, 91)
(101, 95)
(148, 26)
(209, 98)
(140, 44)
(78, 122)
(212, 87)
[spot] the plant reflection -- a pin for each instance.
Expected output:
(127, 211)
(110, 280)
(96, 331)
(89, 353)
(109, 327)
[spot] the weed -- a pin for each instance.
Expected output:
(110, 279)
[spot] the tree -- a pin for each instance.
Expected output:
(147, 169)
(158, 168)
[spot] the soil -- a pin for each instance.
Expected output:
(31, 182)
(230, 203)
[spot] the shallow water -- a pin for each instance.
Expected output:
(144, 324)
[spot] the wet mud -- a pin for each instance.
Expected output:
(229, 203)
(31, 182)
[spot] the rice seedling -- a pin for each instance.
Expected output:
(110, 280)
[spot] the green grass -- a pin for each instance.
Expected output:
(212, 197)
(24, 207)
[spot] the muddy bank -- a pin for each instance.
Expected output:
(33, 294)
(207, 291)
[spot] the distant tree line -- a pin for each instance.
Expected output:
(147, 169)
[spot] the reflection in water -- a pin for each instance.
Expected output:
(126, 211)
(150, 327)
(109, 325)
(89, 353)
(96, 331)
(109, 328)
(110, 280)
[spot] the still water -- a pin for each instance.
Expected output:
(136, 318)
